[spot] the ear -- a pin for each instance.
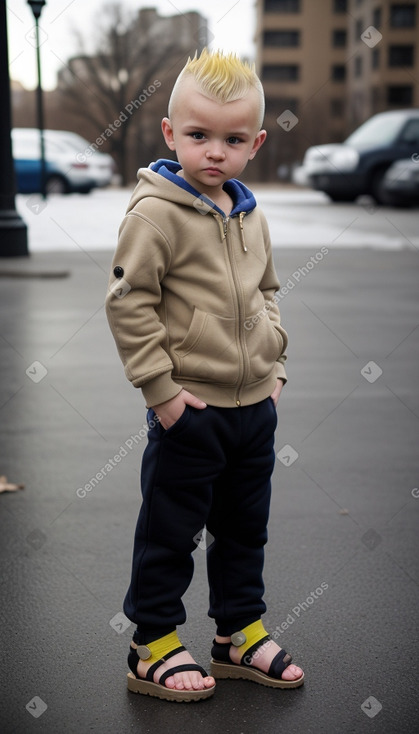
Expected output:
(259, 141)
(167, 131)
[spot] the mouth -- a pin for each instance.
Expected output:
(212, 170)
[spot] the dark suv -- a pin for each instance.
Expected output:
(357, 166)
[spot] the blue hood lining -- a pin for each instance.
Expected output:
(243, 199)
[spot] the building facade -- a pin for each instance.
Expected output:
(383, 63)
(332, 64)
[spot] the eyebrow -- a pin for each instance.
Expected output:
(204, 129)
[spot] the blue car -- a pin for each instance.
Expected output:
(72, 164)
(28, 177)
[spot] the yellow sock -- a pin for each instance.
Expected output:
(247, 637)
(154, 651)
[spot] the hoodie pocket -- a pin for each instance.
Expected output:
(264, 345)
(209, 350)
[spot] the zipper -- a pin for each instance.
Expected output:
(241, 217)
(225, 226)
(240, 315)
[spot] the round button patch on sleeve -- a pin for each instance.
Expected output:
(118, 272)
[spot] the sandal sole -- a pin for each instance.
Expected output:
(224, 670)
(139, 685)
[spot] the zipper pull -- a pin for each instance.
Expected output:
(225, 225)
(222, 225)
(241, 217)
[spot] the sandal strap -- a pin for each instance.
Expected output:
(249, 639)
(220, 651)
(152, 669)
(181, 669)
(246, 659)
(133, 661)
(280, 662)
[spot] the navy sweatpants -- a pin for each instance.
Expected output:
(212, 467)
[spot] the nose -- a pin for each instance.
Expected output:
(216, 151)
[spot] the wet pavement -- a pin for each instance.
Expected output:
(341, 562)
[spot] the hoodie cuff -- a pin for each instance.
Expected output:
(280, 372)
(160, 389)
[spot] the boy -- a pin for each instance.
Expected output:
(192, 269)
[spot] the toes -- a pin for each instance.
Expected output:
(181, 682)
(293, 672)
(188, 682)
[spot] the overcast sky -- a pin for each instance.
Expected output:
(231, 22)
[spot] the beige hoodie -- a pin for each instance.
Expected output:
(191, 295)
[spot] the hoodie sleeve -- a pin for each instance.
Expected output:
(140, 263)
(269, 285)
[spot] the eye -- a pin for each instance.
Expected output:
(197, 136)
(233, 140)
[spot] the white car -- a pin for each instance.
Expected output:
(71, 165)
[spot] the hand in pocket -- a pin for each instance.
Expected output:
(171, 410)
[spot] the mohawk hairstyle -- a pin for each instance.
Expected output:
(224, 78)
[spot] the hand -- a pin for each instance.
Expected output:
(276, 393)
(170, 411)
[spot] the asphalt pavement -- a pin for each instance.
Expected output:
(341, 563)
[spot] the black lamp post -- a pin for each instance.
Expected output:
(37, 6)
(13, 230)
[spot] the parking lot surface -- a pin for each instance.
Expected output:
(341, 562)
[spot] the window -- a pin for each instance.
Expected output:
(376, 99)
(375, 58)
(376, 18)
(283, 39)
(340, 6)
(358, 67)
(339, 39)
(403, 16)
(337, 107)
(338, 73)
(400, 94)
(382, 129)
(410, 133)
(277, 106)
(400, 55)
(359, 29)
(282, 6)
(280, 72)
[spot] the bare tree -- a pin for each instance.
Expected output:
(112, 89)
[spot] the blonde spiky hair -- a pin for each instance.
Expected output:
(223, 77)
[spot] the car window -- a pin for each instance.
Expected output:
(376, 131)
(24, 148)
(410, 134)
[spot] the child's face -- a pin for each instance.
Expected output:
(213, 141)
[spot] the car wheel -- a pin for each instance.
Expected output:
(377, 186)
(57, 185)
(396, 201)
(340, 197)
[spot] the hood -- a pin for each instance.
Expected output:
(331, 158)
(176, 189)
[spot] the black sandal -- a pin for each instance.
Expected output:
(223, 667)
(148, 687)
